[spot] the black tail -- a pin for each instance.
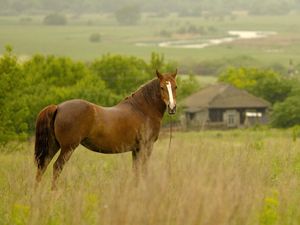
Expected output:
(44, 135)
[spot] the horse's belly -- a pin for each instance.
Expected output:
(108, 147)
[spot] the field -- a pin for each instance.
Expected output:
(211, 177)
(29, 36)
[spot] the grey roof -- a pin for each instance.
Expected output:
(222, 96)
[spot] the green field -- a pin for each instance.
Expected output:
(31, 37)
(212, 177)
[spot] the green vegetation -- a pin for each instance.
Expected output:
(287, 113)
(281, 91)
(266, 84)
(128, 15)
(26, 88)
(214, 177)
(28, 36)
(95, 37)
(55, 19)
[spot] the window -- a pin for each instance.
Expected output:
(216, 115)
(191, 116)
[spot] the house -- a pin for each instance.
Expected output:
(223, 106)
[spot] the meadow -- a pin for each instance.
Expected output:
(29, 36)
(209, 177)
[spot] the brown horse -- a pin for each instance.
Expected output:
(131, 125)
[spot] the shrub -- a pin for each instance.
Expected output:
(55, 19)
(287, 113)
(165, 33)
(128, 15)
(95, 37)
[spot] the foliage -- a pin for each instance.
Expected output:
(128, 15)
(121, 74)
(55, 19)
(282, 92)
(95, 37)
(26, 88)
(266, 84)
(187, 86)
(12, 110)
(287, 113)
(43, 80)
(269, 214)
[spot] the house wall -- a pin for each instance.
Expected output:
(251, 121)
(231, 118)
(196, 120)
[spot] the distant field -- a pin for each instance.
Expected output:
(212, 177)
(29, 36)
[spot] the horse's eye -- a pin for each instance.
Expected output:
(162, 88)
(175, 87)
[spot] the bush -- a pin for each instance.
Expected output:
(165, 33)
(28, 87)
(286, 114)
(95, 37)
(128, 15)
(121, 74)
(55, 19)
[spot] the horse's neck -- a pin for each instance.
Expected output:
(148, 100)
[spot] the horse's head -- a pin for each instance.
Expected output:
(168, 90)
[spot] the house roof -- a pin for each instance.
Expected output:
(222, 96)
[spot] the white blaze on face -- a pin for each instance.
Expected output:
(171, 99)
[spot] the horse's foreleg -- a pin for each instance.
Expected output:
(136, 163)
(140, 160)
(63, 157)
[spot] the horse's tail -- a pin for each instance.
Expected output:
(44, 135)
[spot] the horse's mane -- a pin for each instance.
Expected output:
(149, 92)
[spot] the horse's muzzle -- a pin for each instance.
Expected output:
(172, 111)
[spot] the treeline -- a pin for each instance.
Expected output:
(282, 91)
(27, 87)
(185, 8)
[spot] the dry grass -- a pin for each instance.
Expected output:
(211, 178)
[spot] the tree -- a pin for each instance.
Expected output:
(121, 74)
(55, 19)
(12, 110)
(128, 15)
(266, 84)
(286, 114)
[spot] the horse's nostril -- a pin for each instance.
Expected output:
(172, 111)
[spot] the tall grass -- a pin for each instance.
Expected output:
(235, 177)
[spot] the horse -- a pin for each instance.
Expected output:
(131, 125)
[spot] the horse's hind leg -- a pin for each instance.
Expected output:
(40, 171)
(63, 157)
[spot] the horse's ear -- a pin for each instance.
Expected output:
(159, 75)
(174, 74)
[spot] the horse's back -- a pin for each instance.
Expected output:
(73, 121)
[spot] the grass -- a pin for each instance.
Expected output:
(73, 40)
(212, 177)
